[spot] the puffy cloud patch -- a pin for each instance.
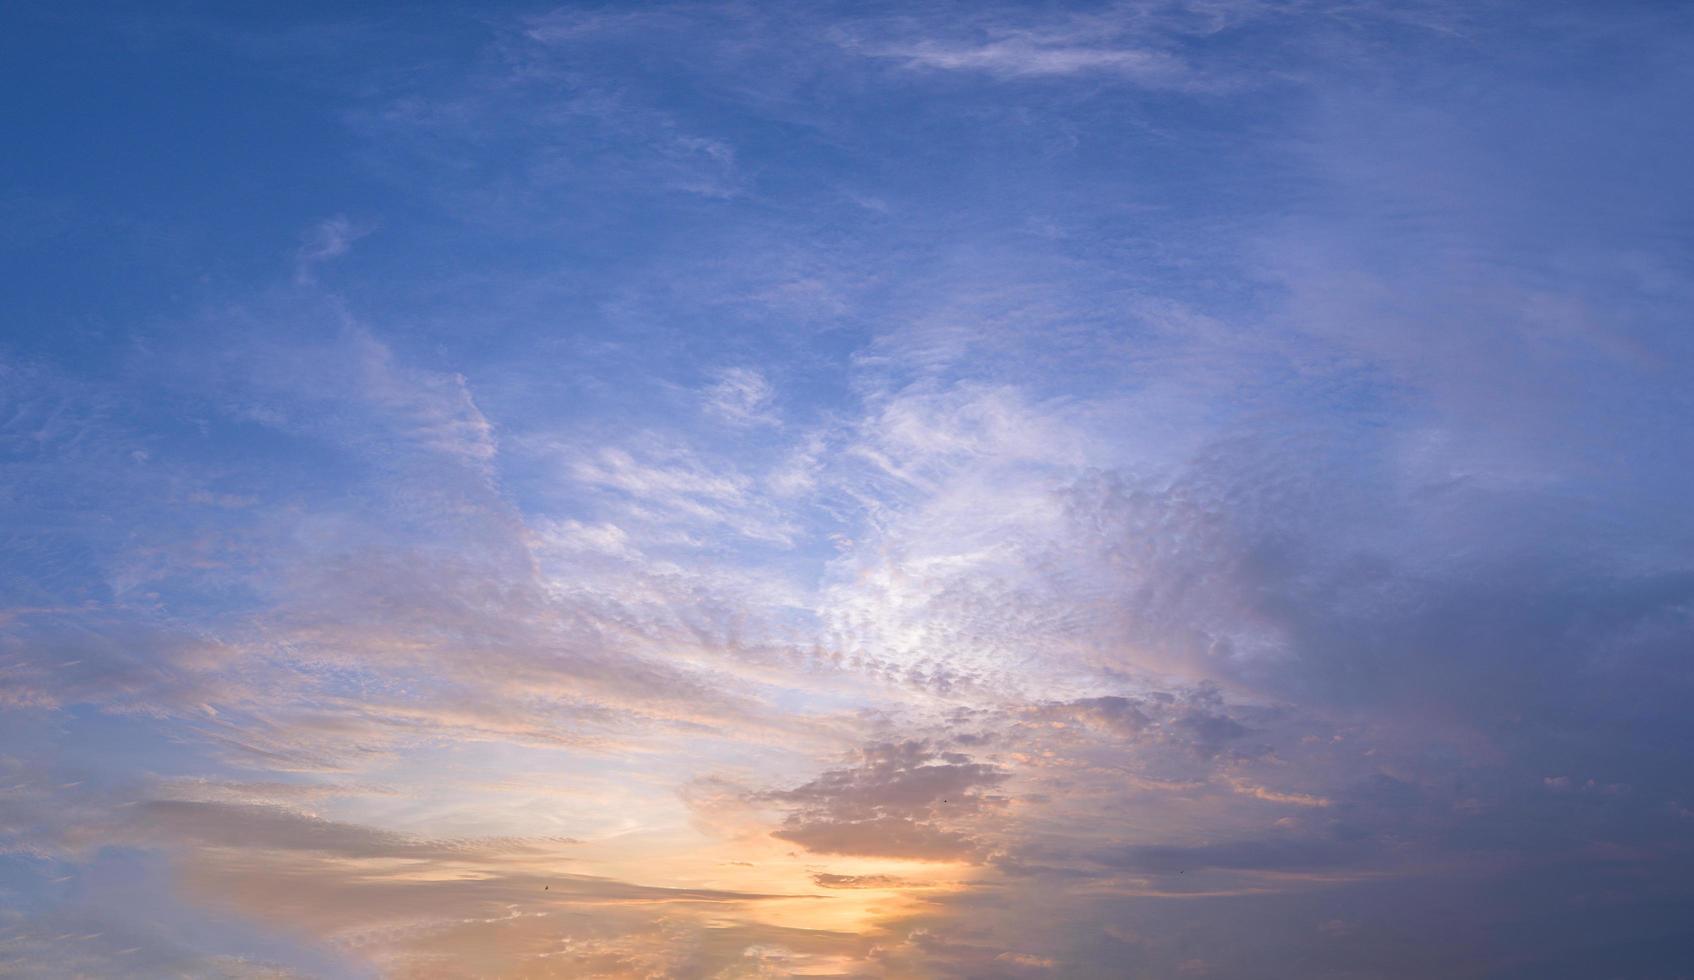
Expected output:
(900, 801)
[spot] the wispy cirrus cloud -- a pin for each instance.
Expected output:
(1026, 58)
(325, 241)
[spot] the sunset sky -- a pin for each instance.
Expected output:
(1157, 489)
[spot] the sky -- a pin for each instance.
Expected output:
(1154, 489)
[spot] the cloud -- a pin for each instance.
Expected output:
(324, 242)
(382, 900)
(254, 827)
(894, 803)
(1022, 58)
(826, 880)
(1277, 796)
(684, 492)
(880, 836)
(741, 396)
(1196, 719)
(1253, 855)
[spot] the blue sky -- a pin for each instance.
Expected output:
(1166, 488)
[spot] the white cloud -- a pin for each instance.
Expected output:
(1026, 58)
(324, 242)
(742, 396)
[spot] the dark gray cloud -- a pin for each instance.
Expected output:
(1197, 719)
(900, 800)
